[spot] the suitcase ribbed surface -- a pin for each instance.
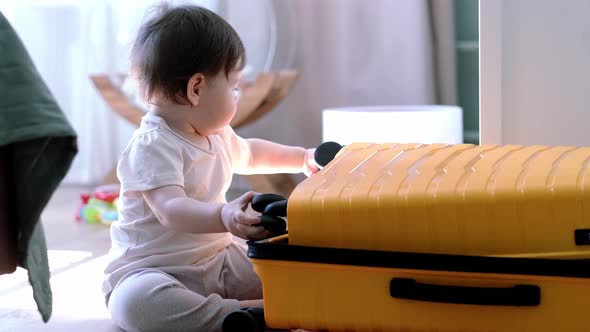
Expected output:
(456, 199)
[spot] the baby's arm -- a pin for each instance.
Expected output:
(277, 158)
(177, 211)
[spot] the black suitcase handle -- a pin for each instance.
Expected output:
(274, 224)
(518, 295)
(276, 209)
(272, 207)
(260, 201)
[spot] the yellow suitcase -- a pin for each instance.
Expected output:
(319, 289)
(517, 201)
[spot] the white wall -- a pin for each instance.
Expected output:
(535, 72)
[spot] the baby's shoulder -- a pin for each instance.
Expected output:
(152, 136)
(153, 139)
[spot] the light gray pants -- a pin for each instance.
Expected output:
(187, 298)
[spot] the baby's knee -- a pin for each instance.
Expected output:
(155, 301)
(140, 305)
(131, 312)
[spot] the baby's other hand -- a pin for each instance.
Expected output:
(237, 222)
(309, 165)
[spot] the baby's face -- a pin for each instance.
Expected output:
(218, 102)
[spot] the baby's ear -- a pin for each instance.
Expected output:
(193, 87)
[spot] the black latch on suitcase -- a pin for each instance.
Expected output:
(582, 237)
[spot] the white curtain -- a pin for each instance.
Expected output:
(348, 52)
(352, 53)
(70, 40)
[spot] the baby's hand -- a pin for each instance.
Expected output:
(237, 222)
(309, 165)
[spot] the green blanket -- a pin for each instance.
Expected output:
(41, 145)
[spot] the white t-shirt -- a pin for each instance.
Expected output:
(157, 156)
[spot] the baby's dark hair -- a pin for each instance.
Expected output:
(177, 42)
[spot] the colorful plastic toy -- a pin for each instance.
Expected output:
(99, 207)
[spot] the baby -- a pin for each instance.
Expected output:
(175, 264)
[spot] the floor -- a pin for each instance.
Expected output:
(76, 258)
